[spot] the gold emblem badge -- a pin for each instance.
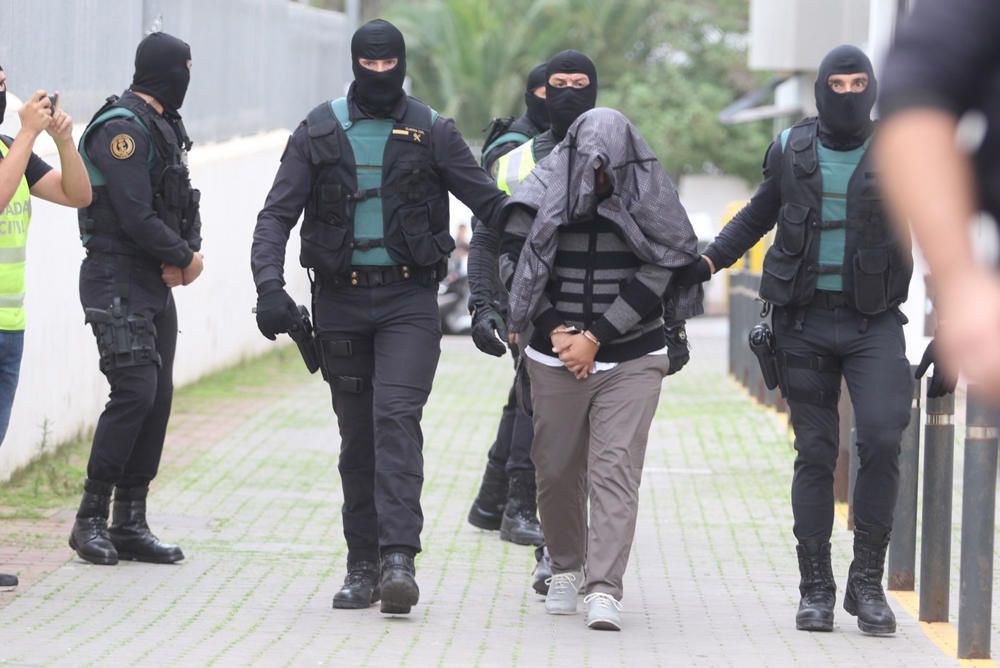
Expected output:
(122, 147)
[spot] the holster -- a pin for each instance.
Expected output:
(761, 341)
(123, 339)
(305, 339)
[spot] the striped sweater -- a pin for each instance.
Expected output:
(597, 283)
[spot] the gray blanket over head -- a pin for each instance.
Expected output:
(644, 206)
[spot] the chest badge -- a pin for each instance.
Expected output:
(122, 147)
(414, 135)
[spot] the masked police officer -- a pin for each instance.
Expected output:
(570, 90)
(506, 498)
(532, 122)
(835, 276)
(372, 171)
(142, 233)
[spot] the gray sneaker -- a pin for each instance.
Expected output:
(563, 588)
(604, 612)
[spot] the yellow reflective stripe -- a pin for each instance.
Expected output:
(12, 255)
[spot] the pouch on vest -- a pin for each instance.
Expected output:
(426, 248)
(871, 280)
(777, 282)
(173, 198)
(792, 228)
(326, 248)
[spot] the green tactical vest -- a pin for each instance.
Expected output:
(14, 222)
(368, 138)
(836, 169)
(514, 167)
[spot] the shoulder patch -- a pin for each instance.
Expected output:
(122, 146)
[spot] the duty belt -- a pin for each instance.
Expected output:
(828, 299)
(373, 277)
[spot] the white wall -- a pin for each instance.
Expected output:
(60, 382)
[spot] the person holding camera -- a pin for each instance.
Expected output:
(23, 174)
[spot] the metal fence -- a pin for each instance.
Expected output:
(980, 469)
(257, 64)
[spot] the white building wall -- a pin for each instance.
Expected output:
(61, 391)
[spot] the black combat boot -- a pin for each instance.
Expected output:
(361, 586)
(543, 571)
(8, 580)
(520, 516)
(864, 597)
(399, 588)
(816, 586)
(90, 536)
(130, 533)
(487, 509)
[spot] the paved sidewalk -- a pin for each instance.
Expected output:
(712, 580)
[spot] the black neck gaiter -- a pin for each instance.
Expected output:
(378, 92)
(161, 69)
(845, 118)
(566, 104)
(537, 112)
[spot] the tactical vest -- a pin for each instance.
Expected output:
(513, 167)
(414, 202)
(14, 222)
(174, 200)
(876, 269)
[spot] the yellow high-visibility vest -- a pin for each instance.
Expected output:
(13, 238)
(514, 167)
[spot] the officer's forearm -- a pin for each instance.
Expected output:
(929, 183)
(484, 248)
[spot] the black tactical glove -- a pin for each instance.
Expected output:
(277, 313)
(939, 384)
(486, 321)
(677, 346)
(692, 274)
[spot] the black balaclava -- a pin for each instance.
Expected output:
(161, 69)
(378, 92)
(566, 104)
(537, 112)
(845, 118)
(3, 100)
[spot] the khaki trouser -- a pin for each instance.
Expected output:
(592, 429)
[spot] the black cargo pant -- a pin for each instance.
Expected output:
(511, 450)
(128, 441)
(380, 352)
(817, 345)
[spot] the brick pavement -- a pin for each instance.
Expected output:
(712, 581)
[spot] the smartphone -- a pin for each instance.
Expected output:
(53, 101)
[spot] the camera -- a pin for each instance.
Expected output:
(53, 101)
